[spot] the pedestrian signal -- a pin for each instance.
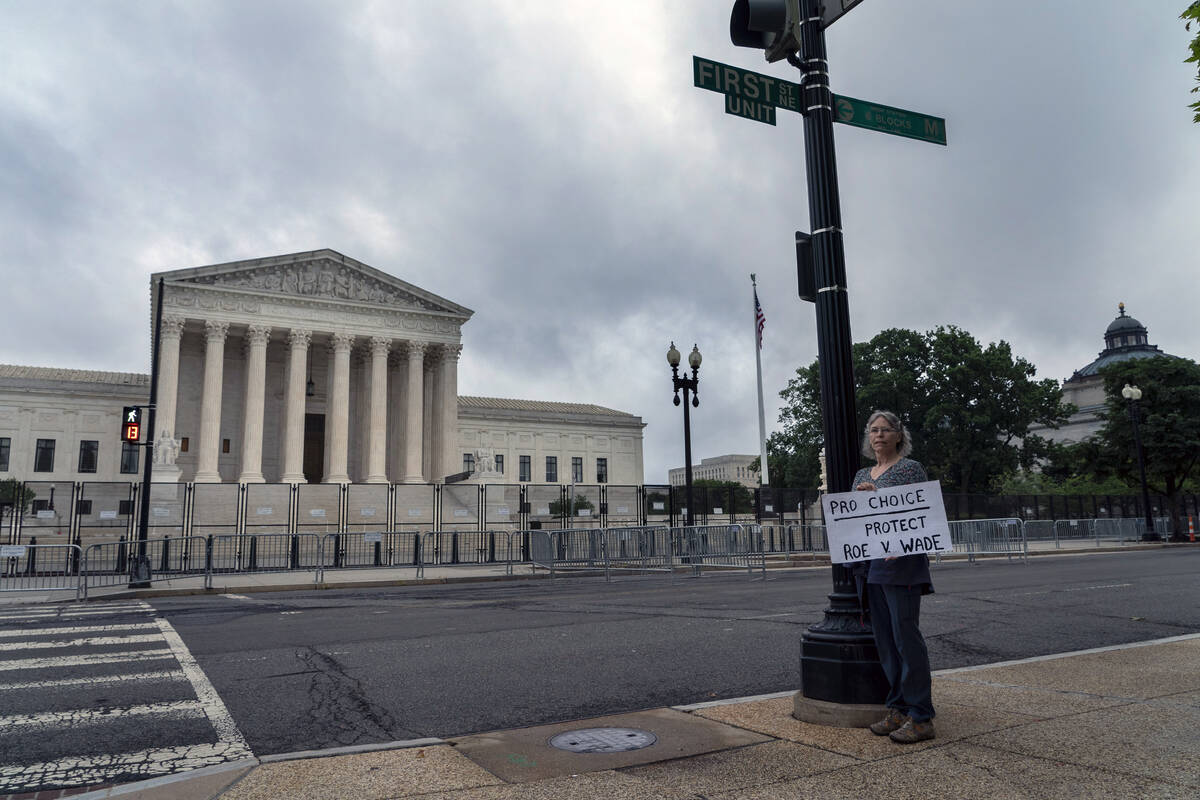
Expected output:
(131, 424)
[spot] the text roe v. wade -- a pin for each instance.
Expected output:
(898, 521)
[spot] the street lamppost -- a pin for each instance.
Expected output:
(1133, 395)
(686, 384)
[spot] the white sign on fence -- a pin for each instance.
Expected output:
(43, 514)
(898, 521)
(461, 512)
(372, 537)
(12, 551)
(622, 509)
(160, 512)
(718, 510)
(317, 512)
(264, 511)
(414, 512)
(108, 515)
(367, 512)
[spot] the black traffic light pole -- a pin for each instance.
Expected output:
(842, 682)
(139, 572)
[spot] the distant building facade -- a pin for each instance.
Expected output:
(732, 467)
(1125, 338)
(304, 368)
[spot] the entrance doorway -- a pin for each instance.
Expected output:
(314, 447)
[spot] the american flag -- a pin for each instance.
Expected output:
(760, 319)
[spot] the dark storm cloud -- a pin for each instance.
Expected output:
(552, 167)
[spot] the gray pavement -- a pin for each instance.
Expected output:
(1120, 721)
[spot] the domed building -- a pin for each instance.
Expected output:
(1124, 338)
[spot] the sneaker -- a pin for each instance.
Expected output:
(911, 732)
(892, 722)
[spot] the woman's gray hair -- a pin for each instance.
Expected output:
(905, 440)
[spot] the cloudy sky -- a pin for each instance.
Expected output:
(550, 165)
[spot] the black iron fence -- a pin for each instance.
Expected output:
(88, 513)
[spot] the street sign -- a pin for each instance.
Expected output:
(750, 109)
(833, 10)
(750, 86)
(877, 117)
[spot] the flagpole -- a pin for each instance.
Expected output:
(765, 478)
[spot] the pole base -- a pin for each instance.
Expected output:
(841, 667)
(837, 715)
(139, 573)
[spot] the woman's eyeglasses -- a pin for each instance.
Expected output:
(880, 431)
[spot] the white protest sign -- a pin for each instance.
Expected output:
(897, 521)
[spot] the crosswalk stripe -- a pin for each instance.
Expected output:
(214, 707)
(129, 626)
(83, 660)
(182, 708)
(87, 770)
(91, 641)
(141, 677)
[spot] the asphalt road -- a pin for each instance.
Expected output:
(116, 691)
(323, 669)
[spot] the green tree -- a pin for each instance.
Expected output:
(12, 491)
(719, 491)
(1169, 427)
(1192, 14)
(967, 407)
(578, 504)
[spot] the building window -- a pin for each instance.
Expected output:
(601, 470)
(129, 458)
(183, 445)
(125, 508)
(577, 469)
(5, 444)
(551, 469)
(224, 445)
(468, 462)
(41, 505)
(83, 507)
(525, 470)
(89, 452)
(500, 464)
(43, 459)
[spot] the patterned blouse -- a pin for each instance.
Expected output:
(904, 570)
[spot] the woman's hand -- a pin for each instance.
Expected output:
(865, 486)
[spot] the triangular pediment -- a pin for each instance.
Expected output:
(317, 275)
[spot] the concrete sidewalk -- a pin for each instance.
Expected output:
(1111, 722)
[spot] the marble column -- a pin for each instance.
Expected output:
(294, 405)
(397, 417)
(377, 432)
(210, 403)
(448, 413)
(414, 414)
(432, 462)
(338, 416)
(256, 340)
(170, 335)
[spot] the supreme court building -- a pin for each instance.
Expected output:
(304, 368)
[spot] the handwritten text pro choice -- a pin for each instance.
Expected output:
(898, 521)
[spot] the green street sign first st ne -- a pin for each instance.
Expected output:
(755, 96)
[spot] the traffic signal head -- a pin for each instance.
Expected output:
(131, 424)
(768, 25)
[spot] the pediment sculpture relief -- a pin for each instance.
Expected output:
(319, 279)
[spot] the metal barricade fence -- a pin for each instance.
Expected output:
(450, 548)
(641, 550)
(988, 537)
(368, 550)
(263, 552)
(736, 546)
(109, 563)
(40, 567)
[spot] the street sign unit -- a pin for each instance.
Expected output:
(878, 117)
(131, 424)
(745, 84)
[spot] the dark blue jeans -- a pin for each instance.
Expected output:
(895, 616)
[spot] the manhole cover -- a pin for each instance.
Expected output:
(603, 740)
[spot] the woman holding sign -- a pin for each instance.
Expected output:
(894, 589)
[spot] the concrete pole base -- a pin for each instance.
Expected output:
(837, 715)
